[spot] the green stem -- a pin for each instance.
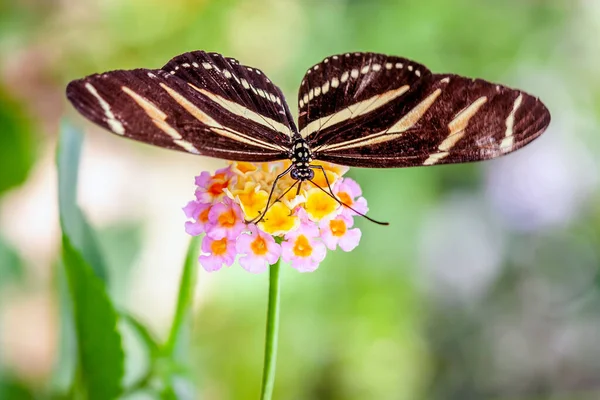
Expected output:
(186, 295)
(268, 380)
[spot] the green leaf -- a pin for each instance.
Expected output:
(186, 295)
(121, 244)
(13, 389)
(145, 335)
(11, 264)
(73, 222)
(101, 355)
(65, 364)
(17, 149)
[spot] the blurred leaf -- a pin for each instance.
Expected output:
(12, 389)
(18, 19)
(120, 245)
(17, 149)
(185, 299)
(142, 331)
(73, 221)
(100, 353)
(63, 374)
(11, 265)
(457, 177)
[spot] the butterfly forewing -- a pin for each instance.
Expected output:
(440, 119)
(356, 109)
(207, 111)
(257, 97)
(347, 95)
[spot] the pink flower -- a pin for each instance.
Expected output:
(296, 230)
(347, 190)
(219, 252)
(211, 188)
(302, 215)
(260, 250)
(336, 232)
(199, 213)
(225, 220)
(302, 249)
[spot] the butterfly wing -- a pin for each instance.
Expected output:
(347, 93)
(201, 103)
(438, 119)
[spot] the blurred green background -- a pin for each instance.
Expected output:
(485, 286)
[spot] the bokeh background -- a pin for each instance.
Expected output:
(485, 286)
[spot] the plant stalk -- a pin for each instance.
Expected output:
(272, 331)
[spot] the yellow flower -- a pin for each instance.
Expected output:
(284, 185)
(319, 204)
(243, 168)
(279, 220)
(333, 171)
(252, 199)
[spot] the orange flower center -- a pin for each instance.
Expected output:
(345, 198)
(302, 247)
(219, 247)
(338, 227)
(216, 188)
(203, 217)
(259, 246)
(227, 219)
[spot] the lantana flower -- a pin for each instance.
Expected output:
(350, 193)
(337, 232)
(217, 252)
(259, 248)
(225, 220)
(303, 249)
(298, 226)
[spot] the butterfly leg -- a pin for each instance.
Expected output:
(326, 179)
(259, 218)
(286, 192)
(333, 196)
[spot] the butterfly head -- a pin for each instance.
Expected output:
(301, 157)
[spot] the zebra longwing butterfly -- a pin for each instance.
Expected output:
(355, 109)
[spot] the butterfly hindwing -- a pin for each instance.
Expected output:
(440, 119)
(200, 116)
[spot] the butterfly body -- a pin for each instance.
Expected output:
(355, 109)
(301, 157)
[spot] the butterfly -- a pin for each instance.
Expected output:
(355, 109)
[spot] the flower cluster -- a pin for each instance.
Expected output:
(299, 226)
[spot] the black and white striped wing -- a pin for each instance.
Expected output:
(392, 113)
(201, 103)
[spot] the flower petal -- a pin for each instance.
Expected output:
(210, 263)
(305, 264)
(256, 265)
(350, 240)
(194, 228)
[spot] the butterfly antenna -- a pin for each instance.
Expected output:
(347, 206)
